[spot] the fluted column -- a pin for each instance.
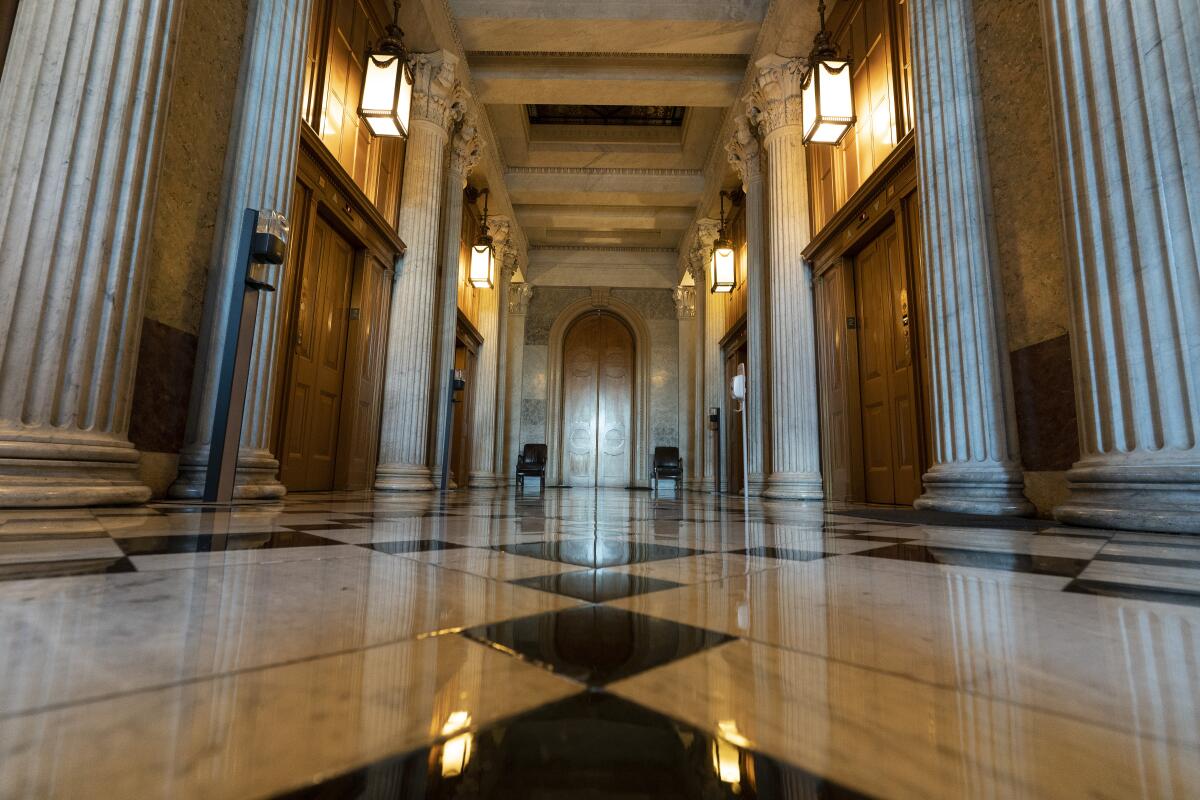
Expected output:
(506, 271)
(714, 360)
(483, 417)
(976, 465)
(745, 155)
(685, 312)
(82, 100)
(519, 295)
(403, 461)
(260, 173)
(1124, 77)
(466, 147)
(774, 105)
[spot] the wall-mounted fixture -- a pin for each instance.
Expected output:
(388, 84)
(724, 266)
(827, 97)
(483, 255)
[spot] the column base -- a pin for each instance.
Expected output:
(757, 484)
(257, 476)
(47, 473)
(794, 486)
(404, 478)
(1163, 498)
(485, 480)
(962, 489)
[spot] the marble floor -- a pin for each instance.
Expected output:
(579, 644)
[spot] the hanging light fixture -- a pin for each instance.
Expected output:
(828, 99)
(724, 272)
(483, 256)
(388, 84)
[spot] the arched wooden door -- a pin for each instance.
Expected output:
(597, 402)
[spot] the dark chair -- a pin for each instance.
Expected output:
(531, 463)
(667, 464)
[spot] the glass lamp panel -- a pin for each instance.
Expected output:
(404, 99)
(481, 266)
(808, 104)
(382, 126)
(829, 132)
(380, 94)
(724, 276)
(837, 102)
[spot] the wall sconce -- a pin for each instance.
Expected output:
(827, 98)
(724, 265)
(388, 84)
(483, 256)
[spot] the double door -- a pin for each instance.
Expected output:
(597, 402)
(887, 377)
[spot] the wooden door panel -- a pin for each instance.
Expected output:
(874, 336)
(580, 410)
(902, 381)
(615, 401)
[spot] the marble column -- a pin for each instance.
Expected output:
(506, 271)
(519, 295)
(82, 102)
(685, 312)
(403, 439)
(466, 147)
(976, 466)
(714, 360)
(700, 419)
(745, 155)
(774, 106)
(1124, 83)
(260, 173)
(483, 415)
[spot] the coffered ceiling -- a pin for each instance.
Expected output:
(575, 183)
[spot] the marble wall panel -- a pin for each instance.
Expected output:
(544, 308)
(1021, 160)
(1044, 393)
(664, 381)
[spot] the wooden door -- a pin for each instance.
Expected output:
(460, 443)
(318, 362)
(733, 420)
(597, 403)
(891, 461)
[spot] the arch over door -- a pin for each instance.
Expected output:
(597, 418)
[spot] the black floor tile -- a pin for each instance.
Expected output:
(597, 644)
(1130, 592)
(596, 585)
(867, 537)
(412, 546)
(64, 569)
(596, 553)
(325, 526)
(983, 559)
(1153, 561)
(218, 542)
(786, 553)
(589, 746)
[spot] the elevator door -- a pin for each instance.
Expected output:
(889, 412)
(597, 402)
(318, 363)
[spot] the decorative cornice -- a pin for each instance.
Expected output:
(685, 302)
(519, 295)
(435, 92)
(660, 173)
(773, 102)
(602, 248)
(605, 55)
(744, 151)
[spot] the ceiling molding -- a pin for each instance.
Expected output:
(601, 54)
(601, 248)
(663, 173)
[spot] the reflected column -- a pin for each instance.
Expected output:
(1128, 141)
(774, 107)
(976, 465)
(82, 100)
(260, 172)
(403, 439)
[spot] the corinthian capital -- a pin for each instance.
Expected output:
(744, 150)
(685, 302)
(701, 250)
(505, 247)
(519, 295)
(774, 99)
(434, 88)
(466, 148)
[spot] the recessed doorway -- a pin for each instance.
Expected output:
(598, 391)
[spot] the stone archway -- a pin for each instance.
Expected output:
(640, 435)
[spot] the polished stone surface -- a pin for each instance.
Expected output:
(591, 644)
